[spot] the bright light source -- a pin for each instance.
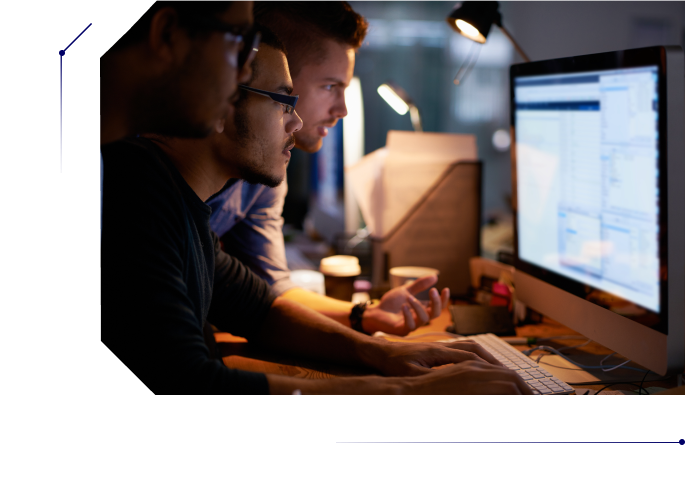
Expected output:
(469, 31)
(501, 140)
(393, 99)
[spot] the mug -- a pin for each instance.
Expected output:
(339, 273)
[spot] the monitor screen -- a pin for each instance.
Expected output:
(588, 179)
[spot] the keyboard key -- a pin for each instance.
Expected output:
(545, 391)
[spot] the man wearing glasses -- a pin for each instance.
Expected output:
(165, 278)
(175, 71)
(321, 39)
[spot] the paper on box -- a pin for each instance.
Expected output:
(388, 182)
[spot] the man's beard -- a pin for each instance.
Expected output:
(312, 143)
(254, 173)
(251, 170)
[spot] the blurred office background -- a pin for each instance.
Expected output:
(411, 44)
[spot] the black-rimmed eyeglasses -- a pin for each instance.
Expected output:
(286, 101)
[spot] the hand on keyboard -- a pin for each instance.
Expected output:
(415, 359)
(470, 377)
(539, 380)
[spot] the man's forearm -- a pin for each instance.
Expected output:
(293, 328)
(337, 385)
(337, 310)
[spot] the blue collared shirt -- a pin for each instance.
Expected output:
(251, 216)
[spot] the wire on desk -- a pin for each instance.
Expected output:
(528, 352)
(626, 383)
(643, 381)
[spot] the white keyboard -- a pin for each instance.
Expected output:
(539, 380)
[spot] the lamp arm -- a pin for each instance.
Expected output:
(415, 118)
(516, 45)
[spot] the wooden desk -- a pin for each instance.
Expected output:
(238, 354)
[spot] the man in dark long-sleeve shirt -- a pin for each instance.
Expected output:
(164, 276)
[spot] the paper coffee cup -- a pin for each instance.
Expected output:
(339, 273)
(309, 280)
(401, 275)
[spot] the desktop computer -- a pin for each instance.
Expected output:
(598, 174)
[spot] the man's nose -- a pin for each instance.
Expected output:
(339, 109)
(295, 124)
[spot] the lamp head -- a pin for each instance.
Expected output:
(396, 97)
(473, 20)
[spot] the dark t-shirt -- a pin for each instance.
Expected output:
(164, 278)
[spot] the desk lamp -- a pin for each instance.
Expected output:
(473, 20)
(401, 102)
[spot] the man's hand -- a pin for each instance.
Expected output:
(415, 359)
(470, 377)
(399, 312)
(473, 370)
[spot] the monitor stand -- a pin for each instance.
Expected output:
(573, 374)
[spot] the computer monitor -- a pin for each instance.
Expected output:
(598, 171)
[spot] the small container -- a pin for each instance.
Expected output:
(339, 273)
(309, 280)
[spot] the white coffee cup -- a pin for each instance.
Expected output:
(309, 280)
(339, 273)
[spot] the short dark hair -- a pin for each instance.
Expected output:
(185, 9)
(302, 25)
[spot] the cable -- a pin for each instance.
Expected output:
(528, 352)
(601, 363)
(643, 381)
(628, 383)
(467, 64)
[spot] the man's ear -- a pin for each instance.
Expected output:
(168, 41)
(219, 126)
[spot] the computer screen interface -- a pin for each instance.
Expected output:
(587, 182)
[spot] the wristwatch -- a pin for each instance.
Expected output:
(357, 315)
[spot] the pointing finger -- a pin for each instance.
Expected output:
(421, 284)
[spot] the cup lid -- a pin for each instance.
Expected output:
(340, 266)
(413, 272)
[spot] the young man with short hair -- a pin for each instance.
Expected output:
(165, 278)
(321, 39)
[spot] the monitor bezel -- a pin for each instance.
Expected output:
(607, 61)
